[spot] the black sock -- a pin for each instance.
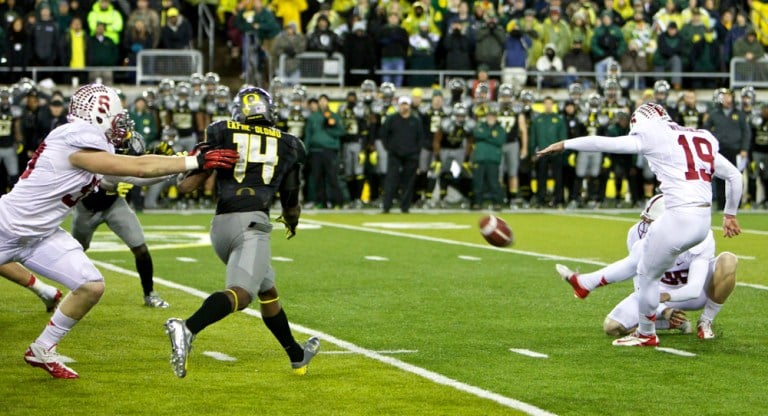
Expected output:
(278, 324)
(145, 269)
(215, 308)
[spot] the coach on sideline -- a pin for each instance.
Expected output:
(401, 134)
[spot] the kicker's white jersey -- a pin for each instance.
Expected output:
(51, 186)
(683, 160)
(679, 274)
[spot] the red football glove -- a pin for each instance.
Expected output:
(217, 158)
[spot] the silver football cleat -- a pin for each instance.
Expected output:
(155, 301)
(311, 347)
(181, 343)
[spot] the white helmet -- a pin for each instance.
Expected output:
(100, 105)
(653, 209)
(648, 111)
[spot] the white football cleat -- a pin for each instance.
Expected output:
(637, 339)
(704, 329)
(49, 360)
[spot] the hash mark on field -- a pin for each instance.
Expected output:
(402, 365)
(376, 258)
(745, 257)
(186, 259)
(220, 356)
(339, 352)
(529, 353)
(282, 259)
(470, 258)
(674, 351)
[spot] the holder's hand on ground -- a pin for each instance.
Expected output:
(730, 226)
(552, 148)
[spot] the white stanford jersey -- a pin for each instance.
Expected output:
(684, 160)
(51, 186)
(680, 281)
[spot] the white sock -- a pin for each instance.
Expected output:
(41, 289)
(662, 324)
(710, 310)
(57, 327)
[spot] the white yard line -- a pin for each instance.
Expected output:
(341, 352)
(528, 353)
(674, 351)
(219, 356)
(410, 368)
(542, 256)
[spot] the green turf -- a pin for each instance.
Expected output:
(459, 317)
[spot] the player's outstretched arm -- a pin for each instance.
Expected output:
(150, 166)
(556, 147)
(193, 180)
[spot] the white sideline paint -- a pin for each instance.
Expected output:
(186, 259)
(541, 256)
(529, 353)
(376, 258)
(282, 259)
(339, 352)
(676, 352)
(470, 258)
(220, 356)
(410, 368)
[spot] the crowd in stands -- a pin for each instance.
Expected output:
(510, 35)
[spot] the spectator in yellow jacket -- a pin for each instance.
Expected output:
(104, 12)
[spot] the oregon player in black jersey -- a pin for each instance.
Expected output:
(270, 162)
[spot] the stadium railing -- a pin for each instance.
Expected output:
(157, 64)
(519, 77)
(206, 27)
(744, 73)
(316, 68)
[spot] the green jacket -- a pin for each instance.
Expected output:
(268, 26)
(146, 125)
(488, 142)
(318, 135)
(546, 128)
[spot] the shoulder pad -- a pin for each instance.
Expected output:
(284, 113)
(16, 111)
(701, 107)
(447, 125)
(582, 117)
(470, 124)
(359, 111)
(194, 105)
(517, 108)
(602, 119)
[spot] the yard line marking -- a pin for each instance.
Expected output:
(339, 352)
(542, 256)
(624, 219)
(402, 365)
(376, 258)
(746, 257)
(220, 356)
(470, 258)
(186, 259)
(676, 352)
(282, 259)
(529, 353)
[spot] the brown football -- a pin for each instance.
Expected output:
(496, 231)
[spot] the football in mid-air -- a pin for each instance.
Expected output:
(496, 231)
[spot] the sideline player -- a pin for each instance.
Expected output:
(698, 280)
(240, 230)
(66, 167)
(684, 160)
(16, 273)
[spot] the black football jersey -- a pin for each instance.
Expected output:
(267, 155)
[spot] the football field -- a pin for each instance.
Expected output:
(417, 315)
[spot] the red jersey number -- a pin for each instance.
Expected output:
(703, 149)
